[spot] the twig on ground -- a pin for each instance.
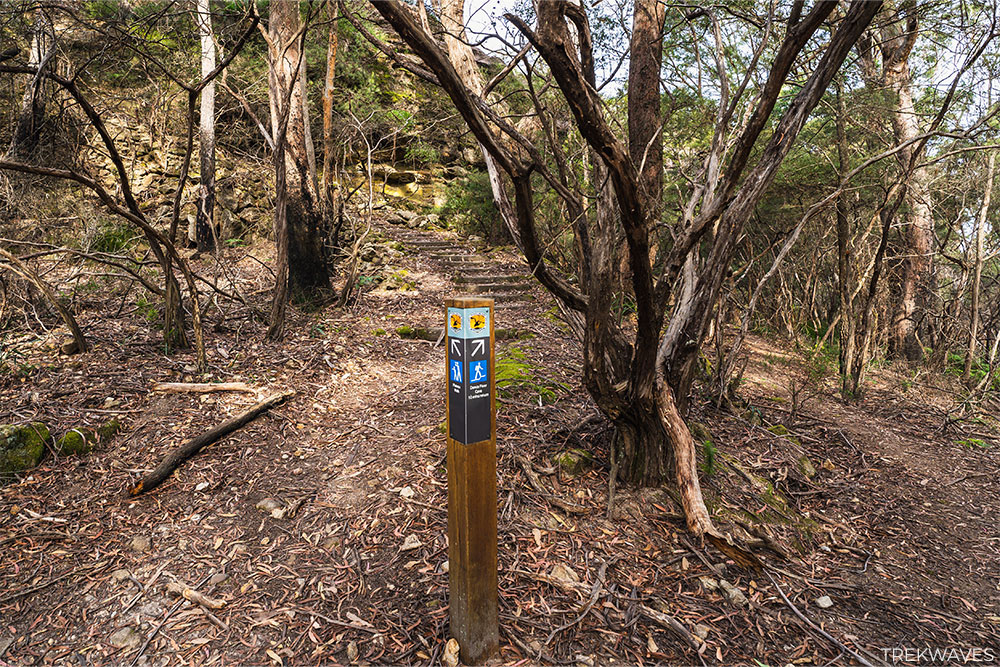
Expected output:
(595, 593)
(550, 498)
(815, 628)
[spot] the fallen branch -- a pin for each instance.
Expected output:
(201, 387)
(550, 498)
(672, 624)
(194, 596)
(815, 628)
(166, 617)
(194, 445)
(595, 593)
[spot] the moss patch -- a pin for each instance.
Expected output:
(76, 442)
(80, 441)
(575, 461)
(22, 447)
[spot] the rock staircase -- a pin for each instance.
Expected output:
(506, 282)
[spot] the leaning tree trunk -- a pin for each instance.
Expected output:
(326, 185)
(308, 265)
(205, 230)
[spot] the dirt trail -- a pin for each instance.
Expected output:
(327, 516)
(919, 501)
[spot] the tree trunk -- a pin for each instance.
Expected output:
(326, 184)
(29, 121)
(845, 255)
(645, 139)
(308, 267)
(977, 271)
(464, 61)
(896, 45)
(205, 229)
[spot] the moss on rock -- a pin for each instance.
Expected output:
(109, 429)
(805, 466)
(80, 441)
(76, 442)
(22, 447)
(575, 461)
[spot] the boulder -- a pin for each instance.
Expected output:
(455, 171)
(22, 447)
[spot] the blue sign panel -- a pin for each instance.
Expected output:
(477, 371)
(456, 371)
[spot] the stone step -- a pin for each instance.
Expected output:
(435, 245)
(489, 277)
(510, 300)
(461, 256)
(467, 266)
(506, 288)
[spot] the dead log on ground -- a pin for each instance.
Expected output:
(201, 387)
(195, 445)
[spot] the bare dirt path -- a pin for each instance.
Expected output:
(321, 526)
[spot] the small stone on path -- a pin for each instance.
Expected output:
(140, 544)
(564, 573)
(126, 638)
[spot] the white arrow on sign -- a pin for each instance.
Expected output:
(456, 347)
(479, 346)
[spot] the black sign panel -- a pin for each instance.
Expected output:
(468, 366)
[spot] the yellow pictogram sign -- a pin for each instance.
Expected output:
(456, 321)
(477, 322)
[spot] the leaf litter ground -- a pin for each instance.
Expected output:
(322, 525)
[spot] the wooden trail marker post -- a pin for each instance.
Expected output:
(472, 478)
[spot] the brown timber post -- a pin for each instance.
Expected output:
(472, 478)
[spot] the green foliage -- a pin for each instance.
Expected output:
(422, 153)
(317, 330)
(709, 450)
(973, 443)
(112, 237)
(469, 201)
(515, 374)
(979, 369)
(101, 9)
(148, 310)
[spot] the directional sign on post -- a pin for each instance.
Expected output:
(472, 479)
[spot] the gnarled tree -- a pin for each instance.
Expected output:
(638, 372)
